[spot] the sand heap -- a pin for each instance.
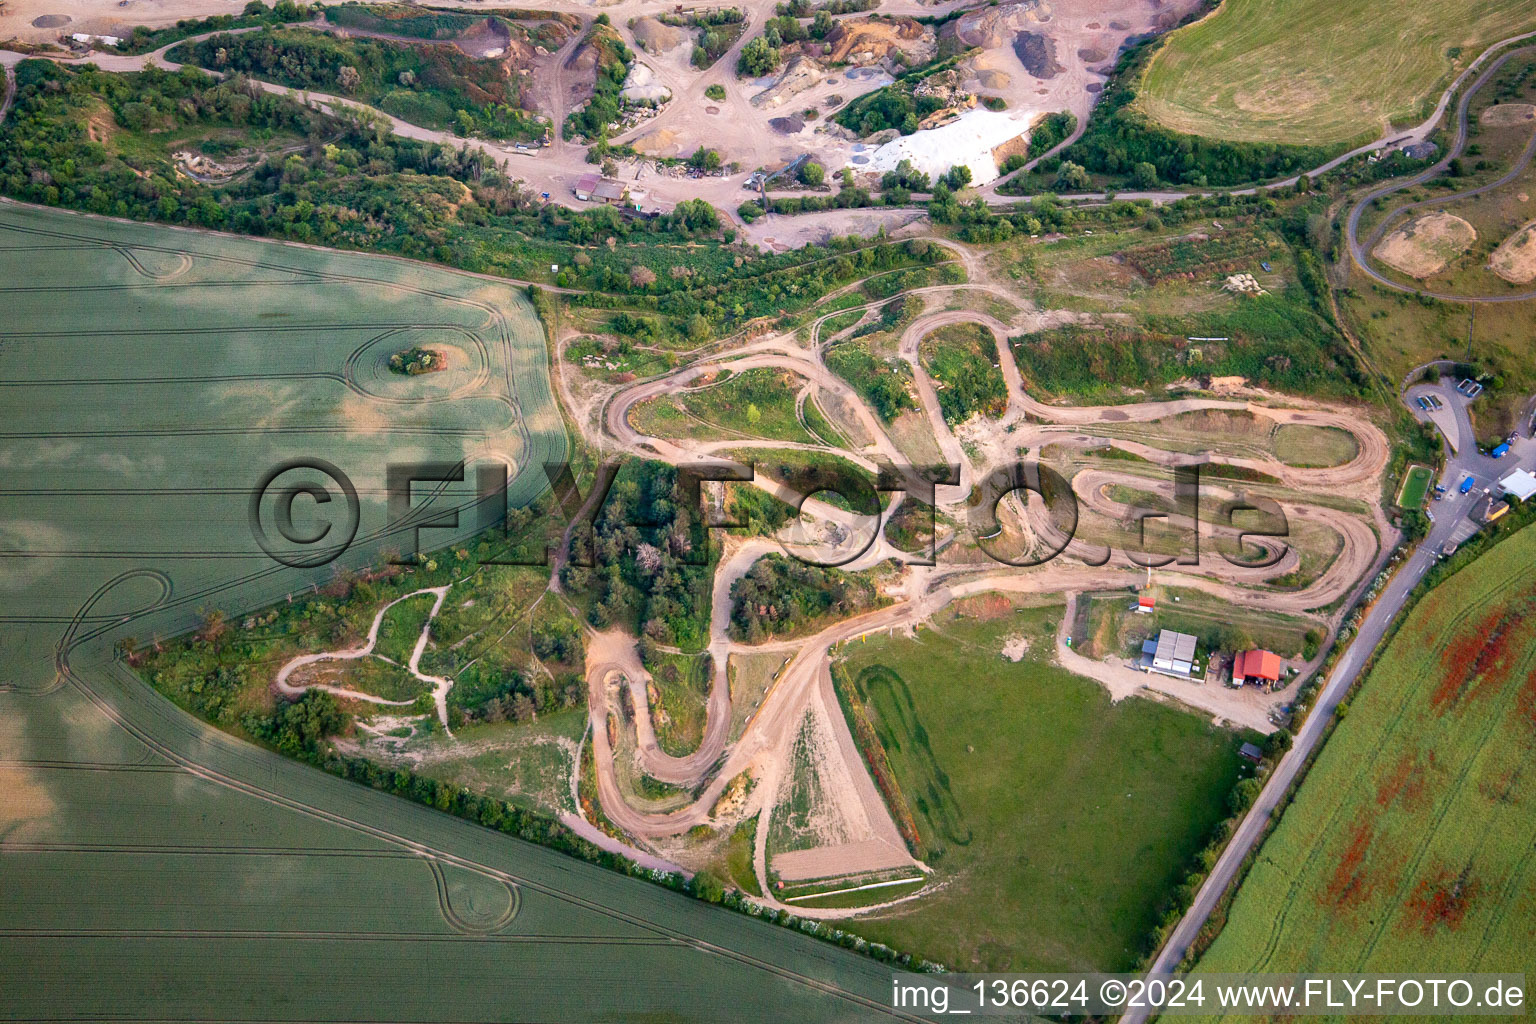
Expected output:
(1423, 246)
(642, 86)
(799, 75)
(654, 37)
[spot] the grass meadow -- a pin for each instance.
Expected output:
(1316, 73)
(1056, 821)
(1410, 844)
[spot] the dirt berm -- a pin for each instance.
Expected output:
(866, 40)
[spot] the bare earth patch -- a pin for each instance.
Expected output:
(1423, 246)
(1515, 258)
(1502, 115)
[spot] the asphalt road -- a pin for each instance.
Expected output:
(1359, 249)
(1450, 523)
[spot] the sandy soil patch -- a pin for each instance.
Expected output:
(1515, 258)
(659, 142)
(1423, 246)
(1502, 115)
(990, 79)
(864, 41)
(1015, 647)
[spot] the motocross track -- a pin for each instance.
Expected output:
(804, 685)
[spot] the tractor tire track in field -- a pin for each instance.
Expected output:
(1366, 766)
(124, 700)
(1407, 877)
(493, 320)
(133, 687)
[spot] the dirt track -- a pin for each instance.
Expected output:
(804, 686)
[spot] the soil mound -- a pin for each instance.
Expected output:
(642, 85)
(1502, 115)
(1092, 55)
(488, 38)
(1037, 52)
(865, 40)
(993, 79)
(1423, 246)
(992, 27)
(1515, 258)
(51, 21)
(654, 37)
(787, 125)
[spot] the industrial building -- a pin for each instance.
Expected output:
(1172, 654)
(1520, 484)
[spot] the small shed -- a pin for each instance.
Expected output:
(1250, 752)
(585, 186)
(609, 191)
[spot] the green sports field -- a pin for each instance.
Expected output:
(1410, 845)
(1055, 821)
(1319, 73)
(151, 378)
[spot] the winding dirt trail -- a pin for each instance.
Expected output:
(440, 685)
(803, 690)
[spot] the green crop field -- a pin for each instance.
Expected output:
(1316, 73)
(1410, 842)
(1056, 821)
(152, 377)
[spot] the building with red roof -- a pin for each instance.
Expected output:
(1256, 667)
